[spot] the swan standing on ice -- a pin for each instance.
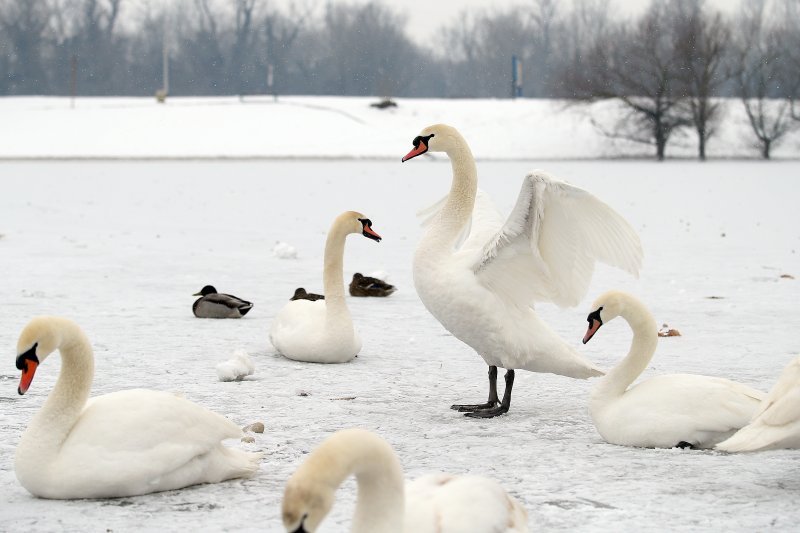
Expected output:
(438, 503)
(482, 291)
(682, 410)
(322, 331)
(776, 424)
(125, 443)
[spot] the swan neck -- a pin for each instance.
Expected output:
(643, 346)
(52, 424)
(333, 273)
(457, 210)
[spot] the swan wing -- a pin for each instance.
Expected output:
(547, 248)
(143, 434)
(446, 503)
(782, 404)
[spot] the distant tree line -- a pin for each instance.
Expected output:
(664, 67)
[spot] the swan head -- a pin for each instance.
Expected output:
(305, 505)
(605, 308)
(355, 222)
(40, 338)
(435, 138)
(205, 291)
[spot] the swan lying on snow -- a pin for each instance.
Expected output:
(322, 331)
(776, 424)
(236, 368)
(683, 410)
(121, 444)
(482, 290)
(438, 503)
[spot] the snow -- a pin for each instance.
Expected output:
(121, 246)
(283, 250)
(236, 368)
(335, 127)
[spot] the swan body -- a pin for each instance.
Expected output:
(125, 443)
(776, 424)
(439, 503)
(213, 304)
(683, 410)
(479, 274)
(322, 331)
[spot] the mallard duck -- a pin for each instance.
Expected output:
(213, 304)
(301, 294)
(367, 286)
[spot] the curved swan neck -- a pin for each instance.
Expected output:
(333, 272)
(380, 503)
(457, 210)
(51, 425)
(643, 346)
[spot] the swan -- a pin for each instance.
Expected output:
(776, 424)
(683, 410)
(439, 503)
(322, 331)
(481, 289)
(213, 304)
(125, 443)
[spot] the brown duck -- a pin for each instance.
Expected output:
(367, 286)
(301, 294)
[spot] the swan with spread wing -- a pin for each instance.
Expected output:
(480, 275)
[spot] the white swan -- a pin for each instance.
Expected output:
(776, 424)
(322, 331)
(683, 410)
(482, 291)
(438, 503)
(120, 444)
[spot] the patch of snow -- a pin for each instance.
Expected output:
(236, 368)
(283, 250)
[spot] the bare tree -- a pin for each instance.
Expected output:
(23, 25)
(639, 67)
(760, 71)
(702, 45)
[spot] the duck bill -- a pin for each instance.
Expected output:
(368, 232)
(27, 376)
(593, 327)
(420, 149)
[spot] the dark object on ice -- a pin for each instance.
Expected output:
(212, 304)
(301, 294)
(683, 445)
(384, 104)
(367, 286)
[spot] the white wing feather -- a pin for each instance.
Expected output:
(547, 248)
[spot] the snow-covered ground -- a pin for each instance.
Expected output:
(121, 246)
(335, 127)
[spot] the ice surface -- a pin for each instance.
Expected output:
(337, 127)
(120, 247)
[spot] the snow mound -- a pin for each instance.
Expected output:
(283, 250)
(236, 368)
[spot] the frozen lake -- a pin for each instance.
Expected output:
(120, 247)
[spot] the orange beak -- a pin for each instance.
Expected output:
(27, 376)
(420, 149)
(368, 230)
(593, 327)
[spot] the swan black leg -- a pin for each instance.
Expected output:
(504, 405)
(493, 400)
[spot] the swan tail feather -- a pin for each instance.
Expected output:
(748, 439)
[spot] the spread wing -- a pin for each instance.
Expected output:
(547, 248)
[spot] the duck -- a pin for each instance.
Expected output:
(479, 274)
(213, 304)
(125, 443)
(301, 294)
(776, 423)
(368, 286)
(440, 503)
(668, 411)
(322, 331)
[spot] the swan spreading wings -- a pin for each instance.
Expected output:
(481, 288)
